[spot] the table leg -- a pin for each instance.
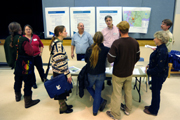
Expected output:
(135, 86)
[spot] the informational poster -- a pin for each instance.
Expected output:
(85, 15)
(138, 18)
(56, 16)
(114, 12)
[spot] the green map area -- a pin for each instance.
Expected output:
(135, 18)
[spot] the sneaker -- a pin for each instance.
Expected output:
(110, 115)
(123, 109)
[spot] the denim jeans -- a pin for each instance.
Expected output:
(98, 81)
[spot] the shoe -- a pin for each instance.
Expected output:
(34, 86)
(146, 107)
(111, 116)
(109, 82)
(148, 112)
(94, 114)
(69, 106)
(102, 106)
(66, 111)
(18, 96)
(29, 102)
(123, 109)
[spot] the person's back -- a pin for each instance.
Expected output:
(126, 52)
(100, 66)
(22, 59)
(95, 58)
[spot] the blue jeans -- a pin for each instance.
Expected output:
(98, 81)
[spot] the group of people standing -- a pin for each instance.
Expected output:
(114, 44)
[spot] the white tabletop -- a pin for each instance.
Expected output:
(139, 69)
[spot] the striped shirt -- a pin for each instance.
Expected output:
(59, 59)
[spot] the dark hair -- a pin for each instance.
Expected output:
(13, 27)
(57, 29)
(29, 27)
(98, 38)
(168, 22)
(108, 16)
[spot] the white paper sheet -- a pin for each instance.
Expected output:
(143, 69)
(136, 71)
(149, 46)
(86, 15)
(101, 12)
(56, 16)
(73, 69)
(109, 70)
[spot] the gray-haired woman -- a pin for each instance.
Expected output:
(158, 70)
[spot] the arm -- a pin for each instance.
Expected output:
(72, 51)
(137, 53)
(41, 50)
(112, 54)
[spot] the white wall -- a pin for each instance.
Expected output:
(176, 29)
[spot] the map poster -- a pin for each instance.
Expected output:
(86, 15)
(102, 12)
(138, 18)
(54, 17)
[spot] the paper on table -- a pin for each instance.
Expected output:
(148, 46)
(136, 71)
(143, 69)
(73, 69)
(109, 70)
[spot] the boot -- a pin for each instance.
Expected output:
(18, 96)
(63, 108)
(29, 102)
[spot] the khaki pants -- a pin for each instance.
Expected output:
(118, 83)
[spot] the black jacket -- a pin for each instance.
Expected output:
(83, 80)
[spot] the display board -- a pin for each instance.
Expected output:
(160, 9)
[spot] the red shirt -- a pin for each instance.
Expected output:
(36, 44)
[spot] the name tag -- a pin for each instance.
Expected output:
(35, 39)
(114, 33)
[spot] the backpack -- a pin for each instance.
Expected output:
(10, 52)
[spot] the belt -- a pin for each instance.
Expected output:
(61, 60)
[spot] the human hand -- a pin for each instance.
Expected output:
(153, 49)
(69, 80)
(40, 54)
(72, 55)
(146, 68)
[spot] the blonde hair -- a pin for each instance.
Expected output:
(98, 38)
(162, 36)
(123, 26)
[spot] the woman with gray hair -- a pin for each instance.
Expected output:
(158, 70)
